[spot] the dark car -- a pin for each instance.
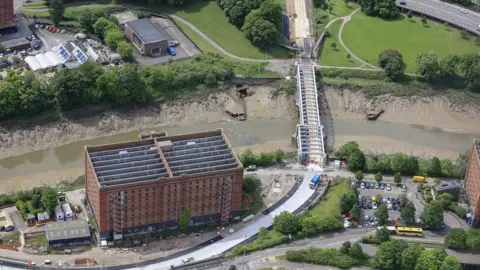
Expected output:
(2, 228)
(371, 219)
(419, 188)
(370, 206)
(403, 3)
(394, 206)
(232, 267)
(382, 186)
(364, 198)
(372, 186)
(398, 201)
(399, 208)
(365, 205)
(358, 184)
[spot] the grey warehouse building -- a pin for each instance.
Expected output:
(149, 38)
(76, 232)
(448, 187)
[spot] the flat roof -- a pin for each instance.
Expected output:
(67, 230)
(148, 159)
(147, 31)
(447, 185)
(15, 42)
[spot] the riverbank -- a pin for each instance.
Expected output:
(456, 113)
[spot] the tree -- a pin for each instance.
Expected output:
(286, 223)
(427, 65)
(359, 175)
(410, 256)
(397, 178)
(37, 200)
(384, 164)
(125, 50)
(381, 8)
(382, 214)
(89, 17)
(356, 251)
(101, 25)
(473, 239)
(432, 216)
(471, 68)
(345, 150)
(389, 254)
(408, 212)
(349, 56)
(251, 185)
(440, 254)
(346, 204)
(112, 38)
(355, 212)
(445, 199)
(184, 219)
(378, 177)
(56, 10)
(271, 11)
(346, 2)
(262, 33)
(448, 169)
(435, 168)
(356, 161)
(49, 199)
(371, 164)
(333, 45)
(410, 14)
(448, 65)
(391, 61)
(450, 263)
(382, 235)
(427, 261)
(465, 34)
(345, 249)
(379, 197)
(424, 21)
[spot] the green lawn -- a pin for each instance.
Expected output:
(210, 19)
(241, 67)
(338, 56)
(340, 9)
(368, 36)
(330, 203)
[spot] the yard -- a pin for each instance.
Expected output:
(330, 203)
(367, 37)
(337, 56)
(210, 19)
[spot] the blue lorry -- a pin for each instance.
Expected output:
(314, 182)
(171, 51)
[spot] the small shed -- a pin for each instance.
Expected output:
(31, 220)
(43, 217)
(447, 187)
(67, 210)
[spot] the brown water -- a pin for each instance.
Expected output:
(251, 132)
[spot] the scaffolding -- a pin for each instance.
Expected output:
(226, 199)
(117, 200)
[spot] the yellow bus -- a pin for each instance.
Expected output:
(409, 231)
(419, 179)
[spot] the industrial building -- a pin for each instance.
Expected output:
(69, 233)
(472, 183)
(447, 187)
(16, 44)
(149, 38)
(142, 186)
(7, 17)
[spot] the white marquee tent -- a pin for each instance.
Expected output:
(33, 63)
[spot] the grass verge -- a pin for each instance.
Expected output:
(368, 36)
(337, 56)
(330, 203)
(209, 18)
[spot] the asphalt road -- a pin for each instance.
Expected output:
(444, 11)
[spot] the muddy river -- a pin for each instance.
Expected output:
(254, 132)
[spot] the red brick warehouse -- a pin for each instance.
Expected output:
(472, 182)
(142, 186)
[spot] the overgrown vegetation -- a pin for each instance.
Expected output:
(263, 159)
(399, 163)
(90, 84)
(463, 239)
(251, 192)
(36, 201)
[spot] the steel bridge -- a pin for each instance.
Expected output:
(310, 138)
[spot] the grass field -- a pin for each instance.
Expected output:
(340, 9)
(338, 56)
(367, 37)
(330, 203)
(210, 19)
(241, 67)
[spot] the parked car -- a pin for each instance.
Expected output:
(362, 185)
(399, 208)
(48, 262)
(394, 206)
(63, 31)
(364, 205)
(398, 201)
(377, 186)
(374, 204)
(370, 205)
(382, 186)
(2, 228)
(404, 188)
(389, 187)
(372, 186)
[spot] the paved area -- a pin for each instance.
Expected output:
(75, 198)
(51, 40)
(22, 29)
(302, 23)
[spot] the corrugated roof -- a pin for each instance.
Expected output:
(67, 230)
(15, 42)
(148, 32)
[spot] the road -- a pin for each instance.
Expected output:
(446, 12)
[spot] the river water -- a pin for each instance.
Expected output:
(240, 134)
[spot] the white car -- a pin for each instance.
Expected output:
(37, 26)
(362, 185)
(389, 206)
(478, 27)
(374, 205)
(464, 11)
(63, 31)
(389, 187)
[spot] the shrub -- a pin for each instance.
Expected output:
(331, 257)
(264, 241)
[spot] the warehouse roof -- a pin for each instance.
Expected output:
(15, 42)
(162, 157)
(147, 32)
(67, 230)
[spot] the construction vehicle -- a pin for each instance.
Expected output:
(251, 168)
(77, 208)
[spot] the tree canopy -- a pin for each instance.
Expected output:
(391, 61)
(56, 10)
(432, 215)
(386, 9)
(286, 223)
(427, 65)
